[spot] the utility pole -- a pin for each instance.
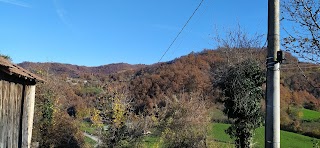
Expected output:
(272, 130)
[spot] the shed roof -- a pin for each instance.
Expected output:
(13, 69)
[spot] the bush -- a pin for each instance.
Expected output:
(242, 88)
(184, 123)
(53, 127)
(123, 130)
(310, 105)
(187, 137)
(89, 91)
(66, 132)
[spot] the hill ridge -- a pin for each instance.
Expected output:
(73, 71)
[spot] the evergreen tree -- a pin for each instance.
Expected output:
(242, 90)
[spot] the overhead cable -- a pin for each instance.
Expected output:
(181, 30)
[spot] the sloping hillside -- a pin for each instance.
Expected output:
(86, 89)
(75, 71)
(197, 73)
(194, 74)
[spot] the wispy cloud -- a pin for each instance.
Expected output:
(62, 14)
(17, 3)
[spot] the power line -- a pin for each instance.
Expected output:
(306, 67)
(193, 43)
(181, 30)
(295, 65)
(303, 73)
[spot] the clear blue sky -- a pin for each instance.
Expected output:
(98, 32)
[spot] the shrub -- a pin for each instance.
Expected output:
(123, 130)
(184, 123)
(242, 87)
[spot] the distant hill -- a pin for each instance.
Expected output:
(75, 71)
(193, 74)
(196, 73)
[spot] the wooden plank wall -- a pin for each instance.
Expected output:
(10, 109)
(28, 112)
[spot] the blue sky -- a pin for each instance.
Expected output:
(99, 32)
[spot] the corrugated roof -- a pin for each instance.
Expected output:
(12, 69)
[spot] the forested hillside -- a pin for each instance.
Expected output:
(147, 93)
(75, 71)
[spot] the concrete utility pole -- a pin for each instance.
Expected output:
(272, 137)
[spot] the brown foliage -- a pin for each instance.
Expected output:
(65, 132)
(151, 87)
(75, 71)
(189, 74)
(184, 122)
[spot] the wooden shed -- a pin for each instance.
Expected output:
(17, 97)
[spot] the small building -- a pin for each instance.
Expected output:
(17, 98)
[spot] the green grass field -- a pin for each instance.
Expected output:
(151, 141)
(221, 139)
(288, 139)
(310, 115)
(86, 127)
(90, 142)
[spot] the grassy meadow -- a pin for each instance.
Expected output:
(218, 138)
(310, 115)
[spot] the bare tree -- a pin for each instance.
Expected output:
(302, 28)
(238, 38)
(237, 44)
